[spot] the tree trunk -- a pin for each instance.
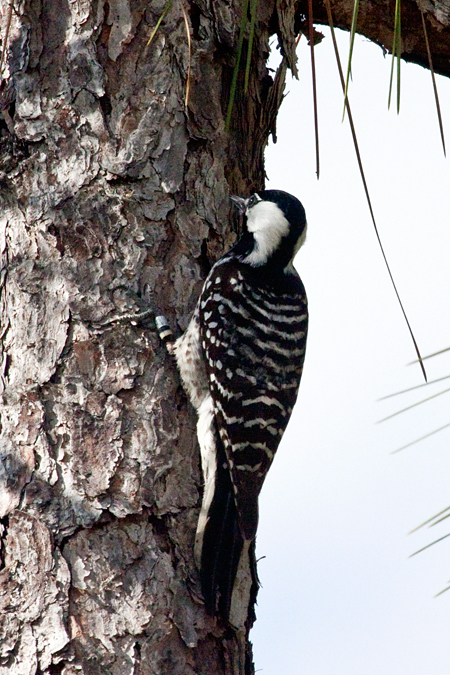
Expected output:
(113, 190)
(110, 185)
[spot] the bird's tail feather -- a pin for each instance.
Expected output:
(225, 554)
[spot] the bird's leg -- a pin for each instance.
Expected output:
(144, 314)
(165, 332)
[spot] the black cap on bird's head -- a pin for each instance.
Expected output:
(275, 224)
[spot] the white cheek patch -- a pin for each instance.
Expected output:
(267, 223)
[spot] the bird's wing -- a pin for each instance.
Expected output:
(254, 341)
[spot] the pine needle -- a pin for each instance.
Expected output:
(417, 386)
(414, 405)
(430, 63)
(253, 10)
(313, 70)
(236, 67)
(366, 190)
(396, 52)
(442, 351)
(391, 78)
(443, 591)
(440, 520)
(430, 520)
(436, 541)
(188, 34)
(399, 56)
(350, 53)
(422, 438)
(158, 23)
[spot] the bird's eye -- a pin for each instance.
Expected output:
(252, 201)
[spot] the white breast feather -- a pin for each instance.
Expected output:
(190, 362)
(205, 433)
(188, 354)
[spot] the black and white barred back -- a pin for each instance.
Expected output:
(241, 361)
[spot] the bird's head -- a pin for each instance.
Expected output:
(275, 227)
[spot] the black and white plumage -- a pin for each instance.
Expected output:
(240, 361)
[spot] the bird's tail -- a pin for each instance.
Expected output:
(227, 561)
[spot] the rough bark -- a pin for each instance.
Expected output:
(376, 22)
(112, 189)
(110, 185)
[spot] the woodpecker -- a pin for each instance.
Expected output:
(240, 361)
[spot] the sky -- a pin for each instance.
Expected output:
(340, 594)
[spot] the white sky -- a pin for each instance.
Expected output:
(340, 596)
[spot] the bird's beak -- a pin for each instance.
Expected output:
(240, 202)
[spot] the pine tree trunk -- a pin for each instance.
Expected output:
(111, 190)
(114, 197)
